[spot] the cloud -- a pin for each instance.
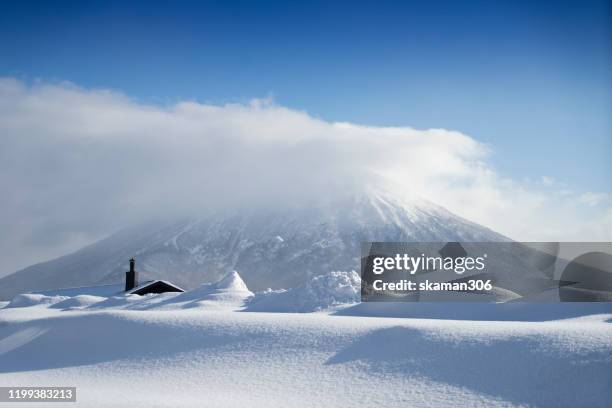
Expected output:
(77, 164)
(592, 199)
(548, 181)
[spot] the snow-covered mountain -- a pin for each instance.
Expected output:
(270, 248)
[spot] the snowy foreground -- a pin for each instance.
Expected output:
(211, 348)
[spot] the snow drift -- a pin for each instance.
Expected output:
(77, 302)
(305, 360)
(321, 292)
(230, 292)
(32, 299)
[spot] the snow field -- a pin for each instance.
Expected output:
(207, 348)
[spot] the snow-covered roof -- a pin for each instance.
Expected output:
(152, 282)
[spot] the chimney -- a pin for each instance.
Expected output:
(131, 277)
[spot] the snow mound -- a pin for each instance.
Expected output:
(229, 293)
(134, 302)
(118, 302)
(231, 282)
(333, 290)
(151, 301)
(33, 299)
(78, 302)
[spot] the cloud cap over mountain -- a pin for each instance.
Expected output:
(77, 164)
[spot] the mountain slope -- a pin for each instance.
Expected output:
(270, 248)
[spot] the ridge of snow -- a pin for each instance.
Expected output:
(334, 290)
(34, 299)
(77, 302)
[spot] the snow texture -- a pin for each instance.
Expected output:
(223, 358)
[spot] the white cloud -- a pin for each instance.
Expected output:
(548, 181)
(76, 164)
(592, 199)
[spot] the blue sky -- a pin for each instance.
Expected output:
(531, 79)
